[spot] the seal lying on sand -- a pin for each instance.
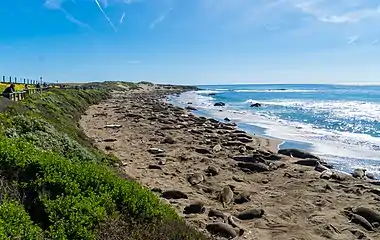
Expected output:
(297, 153)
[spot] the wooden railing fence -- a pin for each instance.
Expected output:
(32, 89)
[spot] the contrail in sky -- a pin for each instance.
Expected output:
(105, 15)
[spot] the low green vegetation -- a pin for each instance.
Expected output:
(55, 185)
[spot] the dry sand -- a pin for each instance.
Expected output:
(297, 203)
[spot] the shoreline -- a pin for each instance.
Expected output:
(346, 159)
(167, 148)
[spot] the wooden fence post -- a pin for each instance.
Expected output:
(3, 79)
(10, 79)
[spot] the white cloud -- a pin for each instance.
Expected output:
(160, 19)
(57, 5)
(339, 11)
(101, 4)
(122, 18)
(333, 11)
(353, 39)
(105, 15)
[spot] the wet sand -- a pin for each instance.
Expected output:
(168, 148)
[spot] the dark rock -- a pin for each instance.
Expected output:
(203, 151)
(155, 166)
(254, 167)
(297, 153)
(219, 104)
(221, 229)
(251, 214)
(168, 140)
(212, 170)
(256, 105)
(196, 207)
(174, 194)
(227, 119)
(242, 198)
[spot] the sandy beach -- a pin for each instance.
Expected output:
(207, 166)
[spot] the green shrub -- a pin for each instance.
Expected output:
(69, 190)
(74, 196)
(43, 135)
(15, 222)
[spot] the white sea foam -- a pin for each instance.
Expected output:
(341, 109)
(275, 90)
(208, 91)
(336, 145)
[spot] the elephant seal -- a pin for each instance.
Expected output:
(226, 196)
(372, 216)
(355, 218)
(174, 194)
(297, 153)
(221, 229)
(359, 173)
(195, 207)
(196, 178)
(242, 198)
(251, 214)
(216, 213)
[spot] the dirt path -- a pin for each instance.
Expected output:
(297, 203)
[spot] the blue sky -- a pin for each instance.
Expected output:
(192, 41)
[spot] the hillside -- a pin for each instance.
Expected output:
(55, 185)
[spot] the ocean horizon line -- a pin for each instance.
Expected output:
(289, 84)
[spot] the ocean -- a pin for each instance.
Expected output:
(339, 123)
